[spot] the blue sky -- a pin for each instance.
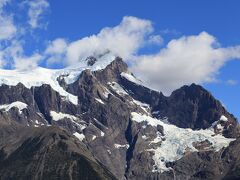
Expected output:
(73, 20)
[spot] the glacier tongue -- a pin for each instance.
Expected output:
(178, 141)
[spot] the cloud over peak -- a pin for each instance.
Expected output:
(184, 60)
(189, 59)
(123, 40)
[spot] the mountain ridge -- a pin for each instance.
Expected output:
(103, 120)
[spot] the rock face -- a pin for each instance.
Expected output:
(46, 153)
(194, 107)
(109, 143)
(188, 107)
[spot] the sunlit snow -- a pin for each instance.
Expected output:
(56, 116)
(79, 136)
(131, 78)
(117, 88)
(177, 141)
(121, 146)
(39, 76)
(99, 100)
(17, 104)
(223, 118)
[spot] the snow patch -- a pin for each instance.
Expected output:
(35, 77)
(220, 127)
(40, 114)
(81, 126)
(216, 123)
(155, 112)
(157, 139)
(99, 100)
(17, 104)
(59, 116)
(121, 146)
(79, 136)
(131, 78)
(117, 88)
(72, 72)
(56, 116)
(106, 92)
(102, 134)
(223, 118)
(93, 137)
(39, 76)
(177, 141)
(145, 107)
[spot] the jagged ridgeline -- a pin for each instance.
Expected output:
(96, 120)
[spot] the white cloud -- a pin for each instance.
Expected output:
(15, 55)
(123, 40)
(12, 36)
(156, 39)
(2, 62)
(170, 31)
(57, 46)
(56, 51)
(189, 59)
(3, 3)
(7, 27)
(26, 63)
(183, 61)
(232, 82)
(186, 60)
(36, 10)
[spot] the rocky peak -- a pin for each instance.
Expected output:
(10, 93)
(188, 107)
(201, 101)
(91, 60)
(194, 93)
(123, 123)
(194, 107)
(112, 73)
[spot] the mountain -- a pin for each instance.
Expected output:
(46, 153)
(98, 121)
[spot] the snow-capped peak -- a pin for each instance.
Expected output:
(39, 76)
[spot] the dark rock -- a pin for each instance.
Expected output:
(46, 152)
(112, 140)
(91, 60)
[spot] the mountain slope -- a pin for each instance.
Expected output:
(46, 152)
(127, 126)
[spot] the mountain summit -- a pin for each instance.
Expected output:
(98, 121)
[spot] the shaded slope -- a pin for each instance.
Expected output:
(46, 152)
